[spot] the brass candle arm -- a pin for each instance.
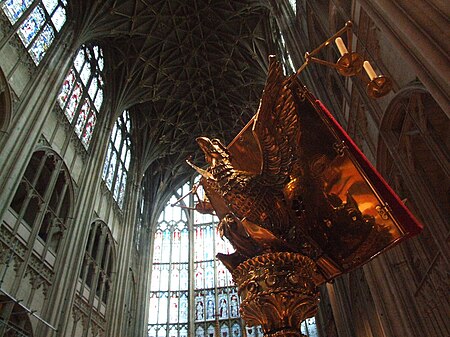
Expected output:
(350, 63)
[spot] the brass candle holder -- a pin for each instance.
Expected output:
(297, 199)
(351, 63)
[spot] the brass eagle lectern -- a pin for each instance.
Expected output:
(300, 204)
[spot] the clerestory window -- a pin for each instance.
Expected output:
(117, 162)
(36, 23)
(81, 94)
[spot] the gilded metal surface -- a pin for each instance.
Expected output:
(289, 182)
(350, 64)
(379, 86)
(277, 292)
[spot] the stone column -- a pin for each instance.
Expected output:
(419, 30)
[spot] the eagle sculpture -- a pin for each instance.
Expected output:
(290, 182)
(259, 215)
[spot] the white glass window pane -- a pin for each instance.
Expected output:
(183, 308)
(162, 310)
(153, 317)
(174, 278)
(199, 332)
(82, 117)
(224, 331)
(184, 278)
(99, 99)
(184, 246)
(73, 102)
(42, 43)
(122, 189)
(127, 158)
(117, 182)
(15, 8)
(85, 73)
(112, 166)
(236, 330)
(79, 60)
(164, 285)
(209, 274)
(106, 165)
(66, 88)
(157, 247)
(93, 88)
(176, 241)
(166, 247)
(29, 29)
(89, 129)
(50, 5)
(59, 18)
(173, 314)
(152, 329)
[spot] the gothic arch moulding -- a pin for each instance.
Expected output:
(47, 186)
(413, 155)
(413, 151)
(5, 103)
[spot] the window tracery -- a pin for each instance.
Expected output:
(38, 23)
(214, 302)
(81, 94)
(117, 162)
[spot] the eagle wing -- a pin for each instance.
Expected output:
(276, 127)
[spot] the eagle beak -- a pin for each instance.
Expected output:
(203, 173)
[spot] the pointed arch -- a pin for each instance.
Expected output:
(5, 103)
(44, 199)
(413, 155)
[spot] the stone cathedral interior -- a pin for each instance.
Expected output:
(100, 106)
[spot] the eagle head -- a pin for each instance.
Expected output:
(214, 150)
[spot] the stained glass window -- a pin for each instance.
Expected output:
(38, 23)
(81, 94)
(214, 301)
(117, 160)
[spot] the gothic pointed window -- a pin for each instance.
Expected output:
(117, 162)
(81, 94)
(36, 23)
(212, 297)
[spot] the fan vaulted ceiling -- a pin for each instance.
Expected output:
(182, 68)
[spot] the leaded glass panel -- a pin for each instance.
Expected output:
(15, 8)
(66, 88)
(42, 43)
(84, 73)
(73, 102)
(37, 30)
(29, 29)
(115, 169)
(89, 129)
(214, 297)
(82, 117)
